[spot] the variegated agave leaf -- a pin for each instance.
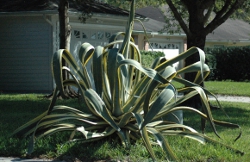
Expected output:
(121, 96)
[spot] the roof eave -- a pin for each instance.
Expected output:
(228, 41)
(160, 34)
(24, 13)
(54, 12)
(103, 15)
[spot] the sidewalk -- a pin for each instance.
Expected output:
(11, 159)
(231, 98)
(227, 98)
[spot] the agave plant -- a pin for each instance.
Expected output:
(122, 97)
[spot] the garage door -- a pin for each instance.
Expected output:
(25, 53)
(169, 49)
(94, 37)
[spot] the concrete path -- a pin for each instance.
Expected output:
(11, 159)
(232, 98)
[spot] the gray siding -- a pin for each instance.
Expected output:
(25, 54)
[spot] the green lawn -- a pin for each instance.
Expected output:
(17, 109)
(226, 87)
(229, 88)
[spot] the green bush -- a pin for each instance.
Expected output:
(230, 63)
(149, 56)
(211, 62)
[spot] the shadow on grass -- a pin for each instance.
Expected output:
(238, 113)
(14, 113)
(88, 152)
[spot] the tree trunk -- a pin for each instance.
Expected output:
(196, 37)
(65, 36)
(65, 28)
(197, 40)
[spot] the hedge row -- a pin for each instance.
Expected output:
(228, 63)
(231, 63)
(149, 56)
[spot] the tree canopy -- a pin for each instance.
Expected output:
(199, 18)
(139, 3)
(194, 16)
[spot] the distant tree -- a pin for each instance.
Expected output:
(197, 18)
(243, 13)
(65, 28)
(64, 35)
(139, 3)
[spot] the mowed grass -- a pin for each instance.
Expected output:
(225, 87)
(229, 88)
(16, 109)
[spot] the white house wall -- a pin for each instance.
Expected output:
(171, 47)
(96, 31)
(28, 42)
(25, 54)
(94, 36)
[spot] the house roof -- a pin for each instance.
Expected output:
(154, 13)
(231, 30)
(153, 27)
(52, 5)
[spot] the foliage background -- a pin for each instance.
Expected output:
(149, 56)
(229, 63)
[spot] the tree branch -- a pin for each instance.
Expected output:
(206, 4)
(178, 17)
(223, 9)
(222, 17)
(207, 15)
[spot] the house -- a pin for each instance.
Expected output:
(30, 35)
(230, 33)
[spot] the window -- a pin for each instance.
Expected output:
(100, 35)
(165, 45)
(77, 33)
(93, 36)
(84, 36)
(107, 35)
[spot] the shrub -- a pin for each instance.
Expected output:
(149, 56)
(230, 63)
